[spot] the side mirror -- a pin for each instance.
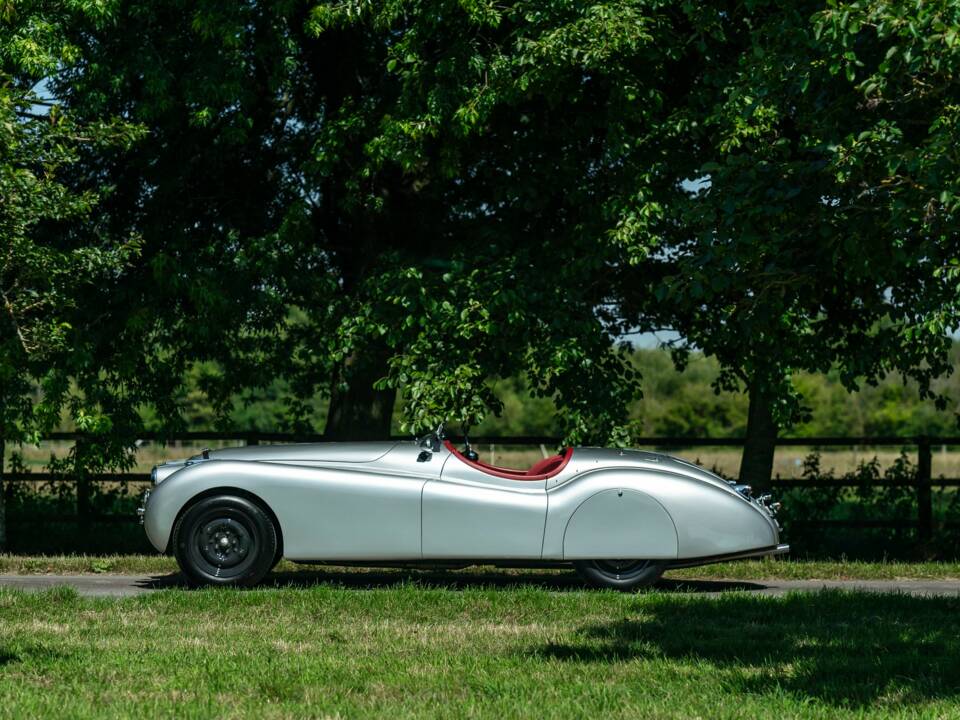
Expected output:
(431, 444)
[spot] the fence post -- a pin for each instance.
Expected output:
(83, 485)
(924, 496)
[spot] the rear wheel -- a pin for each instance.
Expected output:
(225, 540)
(625, 575)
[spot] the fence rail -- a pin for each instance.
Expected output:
(923, 483)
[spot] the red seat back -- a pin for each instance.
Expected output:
(541, 470)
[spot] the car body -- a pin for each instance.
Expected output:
(424, 501)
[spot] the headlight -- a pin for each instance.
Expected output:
(163, 471)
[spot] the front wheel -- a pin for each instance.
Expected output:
(625, 575)
(225, 540)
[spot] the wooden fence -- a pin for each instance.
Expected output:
(922, 483)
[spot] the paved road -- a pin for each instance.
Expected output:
(129, 585)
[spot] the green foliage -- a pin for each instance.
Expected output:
(52, 249)
(434, 229)
(816, 231)
(674, 403)
(685, 403)
(449, 199)
(866, 499)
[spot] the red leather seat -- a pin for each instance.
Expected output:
(541, 470)
(547, 465)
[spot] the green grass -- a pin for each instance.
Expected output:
(510, 652)
(743, 570)
(82, 564)
(822, 570)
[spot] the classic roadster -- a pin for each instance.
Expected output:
(621, 517)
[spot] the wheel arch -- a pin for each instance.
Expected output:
(238, 492)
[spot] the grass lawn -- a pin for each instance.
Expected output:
(411, 650)
(743, 570)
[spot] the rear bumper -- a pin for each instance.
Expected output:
(747, 554)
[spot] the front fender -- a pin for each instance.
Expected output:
(324, 513)
(169, 497)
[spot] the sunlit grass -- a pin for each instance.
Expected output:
(414, 650)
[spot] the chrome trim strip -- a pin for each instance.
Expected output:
(747, 554)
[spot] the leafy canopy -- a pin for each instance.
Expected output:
(820, 228)
(51, 246)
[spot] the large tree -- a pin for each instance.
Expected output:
(359, 197)
(820, 230)
(430, 185)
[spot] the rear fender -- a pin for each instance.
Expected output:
(707, 519)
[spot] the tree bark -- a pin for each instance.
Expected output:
(756, 464)
(359, 411)
(3, 495)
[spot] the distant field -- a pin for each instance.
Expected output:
(512, 652)
(788, 462)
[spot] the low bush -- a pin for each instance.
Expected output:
(869, 494)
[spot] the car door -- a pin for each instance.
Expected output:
(470, 514)
(365, 511)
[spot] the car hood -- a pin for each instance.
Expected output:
(340, 452)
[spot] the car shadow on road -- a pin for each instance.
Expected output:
(850, 650)
(379, 578)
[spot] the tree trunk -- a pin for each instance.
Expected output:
(359, 411)
(3, 495)
(756, 464)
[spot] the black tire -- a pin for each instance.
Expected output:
(624, 575)
(225, 540)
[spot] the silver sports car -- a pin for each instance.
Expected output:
(621, 517)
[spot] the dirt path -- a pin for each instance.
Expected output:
(129, 585)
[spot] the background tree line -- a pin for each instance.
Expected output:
(674, 404)
(435, 195)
